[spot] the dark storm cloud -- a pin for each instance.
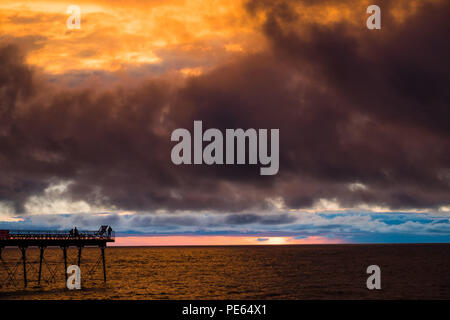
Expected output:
(242, 218)
(352, 105)
(261, 219)
(155, 220)
(210, 221)
(391, 90)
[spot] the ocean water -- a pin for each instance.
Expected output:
(241, 272)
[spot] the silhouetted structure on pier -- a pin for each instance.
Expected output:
(24, 239)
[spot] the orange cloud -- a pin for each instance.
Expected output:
(114, 36)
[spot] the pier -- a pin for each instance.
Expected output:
(24, 239)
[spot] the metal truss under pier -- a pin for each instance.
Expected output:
(23, 239)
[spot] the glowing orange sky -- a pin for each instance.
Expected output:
(219, 240)
(115, 35)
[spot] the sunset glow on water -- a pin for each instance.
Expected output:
(217, 241)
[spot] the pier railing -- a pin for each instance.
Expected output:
(54, 235)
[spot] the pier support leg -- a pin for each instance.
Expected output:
(104, 263)
(41, 256)
(79, 256)
(65, 261)
(1, 248)
(24, 261)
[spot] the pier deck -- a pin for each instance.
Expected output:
(22, 239)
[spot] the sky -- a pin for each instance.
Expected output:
(86, 117)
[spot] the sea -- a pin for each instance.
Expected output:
(407, 271)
